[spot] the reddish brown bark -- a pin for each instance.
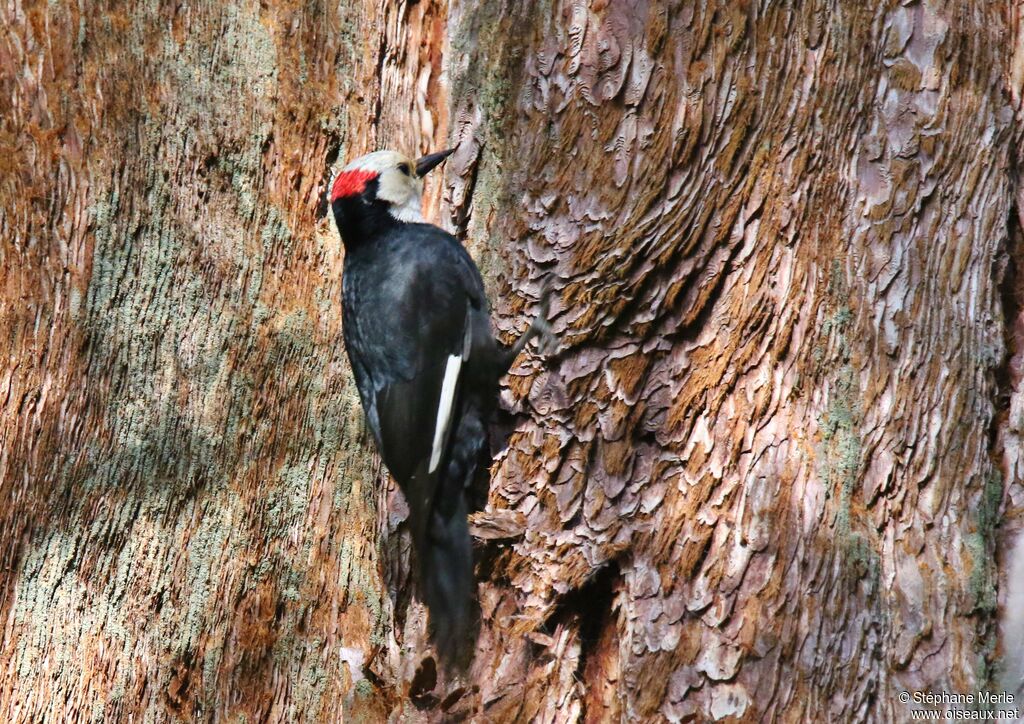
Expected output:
(766, 475)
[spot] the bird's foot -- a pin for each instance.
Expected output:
(547, 340)
(541, 327)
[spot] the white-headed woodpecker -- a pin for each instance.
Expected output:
(418, 334)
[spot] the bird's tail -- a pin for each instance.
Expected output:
(443, 547)
(446, 563)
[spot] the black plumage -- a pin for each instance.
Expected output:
(414, 311)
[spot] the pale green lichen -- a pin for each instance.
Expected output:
(982, 585)
(364, 688)
(840, 450)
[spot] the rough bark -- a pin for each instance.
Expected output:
(762, 477)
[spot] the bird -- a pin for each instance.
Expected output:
(417, 331)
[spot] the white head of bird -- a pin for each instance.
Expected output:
(390, 177)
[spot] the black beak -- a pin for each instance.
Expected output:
(426, 163)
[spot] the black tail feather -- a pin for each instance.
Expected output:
(446, 564)
(438, 506)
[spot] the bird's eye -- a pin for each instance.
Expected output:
(404, 168)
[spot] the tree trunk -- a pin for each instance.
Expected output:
(773, 470)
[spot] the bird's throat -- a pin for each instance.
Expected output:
(410, 212)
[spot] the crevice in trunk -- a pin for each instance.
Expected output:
(323, 202)
(593, 604)
(1003, 531)
(591, 610)
(462, 213)
(1011, 295)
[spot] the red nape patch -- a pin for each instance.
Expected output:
(350, 183)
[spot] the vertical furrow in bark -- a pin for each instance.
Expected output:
(1007, 430)
(1009, 423)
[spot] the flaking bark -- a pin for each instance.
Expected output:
(765, 476)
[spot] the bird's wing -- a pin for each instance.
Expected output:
(414, 316)
(415, 412)
(417, 407)
(415, 418)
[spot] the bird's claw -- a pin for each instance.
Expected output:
(544, 304)
(546, 339)
(540, 328)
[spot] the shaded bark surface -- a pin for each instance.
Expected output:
(762, 477)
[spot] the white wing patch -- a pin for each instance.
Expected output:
(444, 408)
